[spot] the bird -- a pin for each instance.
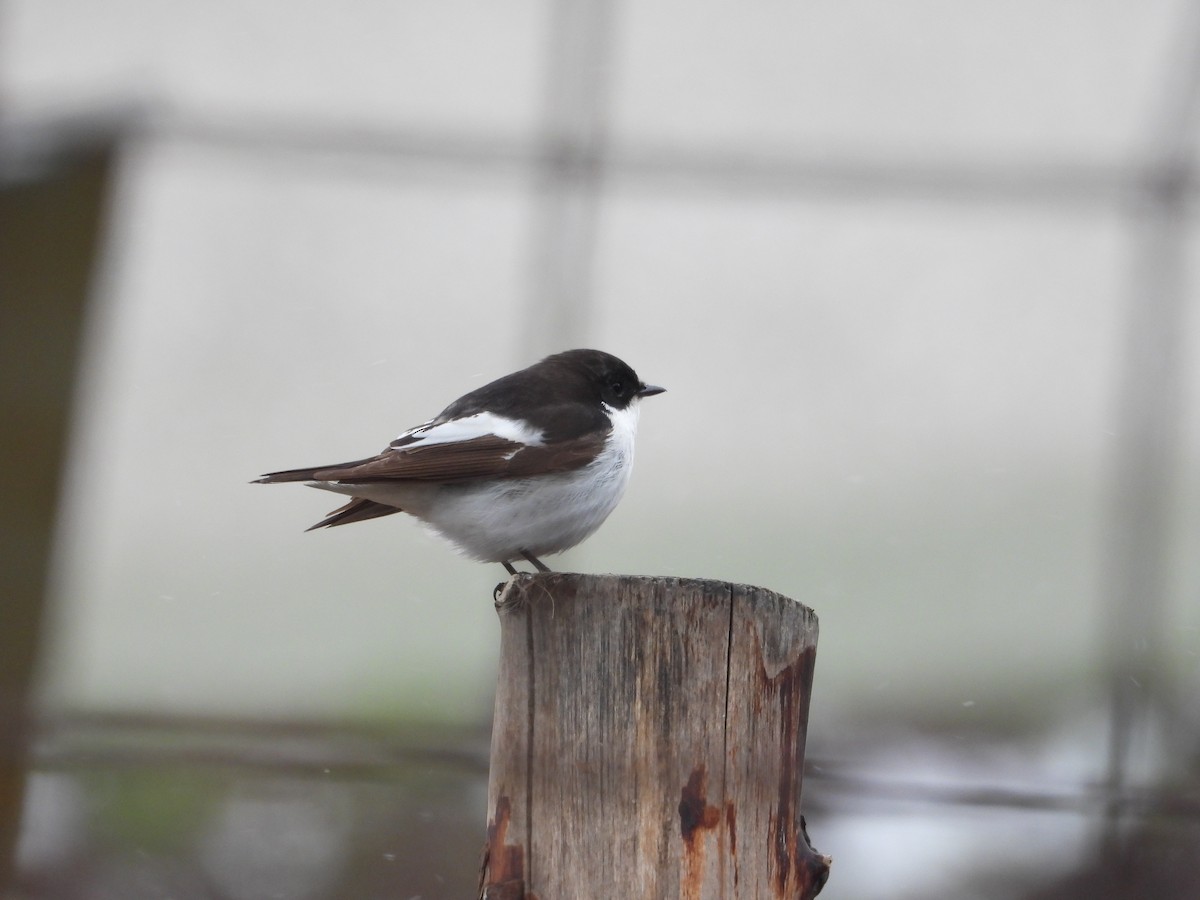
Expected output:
(529, 465)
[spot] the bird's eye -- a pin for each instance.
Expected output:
(616, 386)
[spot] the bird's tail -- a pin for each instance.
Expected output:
(357, 510)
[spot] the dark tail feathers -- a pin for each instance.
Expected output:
(357, 510)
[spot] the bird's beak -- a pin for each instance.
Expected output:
(649, 390)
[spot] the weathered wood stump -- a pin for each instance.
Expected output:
(648, 742)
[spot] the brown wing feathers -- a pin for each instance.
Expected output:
(303, 474)
(487, 456)
(484, 456)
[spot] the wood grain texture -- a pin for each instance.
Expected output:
(648, 741)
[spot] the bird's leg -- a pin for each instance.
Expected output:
(541, 566)
(500, 587)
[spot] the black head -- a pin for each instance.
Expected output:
(613, 380)
(561, 395)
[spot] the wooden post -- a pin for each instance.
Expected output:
(648, 742)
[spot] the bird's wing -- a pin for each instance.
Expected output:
(478, 446)
(481, 457)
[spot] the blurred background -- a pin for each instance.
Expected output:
(919, 278)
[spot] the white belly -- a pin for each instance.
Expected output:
(494, 521)
(541, 515)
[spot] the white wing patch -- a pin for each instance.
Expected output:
(470, 427)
